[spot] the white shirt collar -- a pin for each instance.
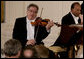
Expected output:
(75, 18)
(30, 20)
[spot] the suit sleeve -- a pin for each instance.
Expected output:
(42, 34)
(15, 29)
(18, 33)
(65, 21)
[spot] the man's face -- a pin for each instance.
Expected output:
(32, 13)
(76, 10)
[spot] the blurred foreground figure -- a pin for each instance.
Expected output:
(12, 48)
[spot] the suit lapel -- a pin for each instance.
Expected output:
(72, 19)
(25, 26)
(35, 31)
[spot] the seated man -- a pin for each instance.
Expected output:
(12, 48)
(68, 36)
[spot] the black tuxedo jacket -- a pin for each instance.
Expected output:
(20, 31)
(66, 31)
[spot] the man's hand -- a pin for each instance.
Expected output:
(49, 25)
(31, 42)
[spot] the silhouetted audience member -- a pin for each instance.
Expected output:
(44, 52)
(29, 52)
(12, 48)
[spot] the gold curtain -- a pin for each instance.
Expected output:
(2, 11)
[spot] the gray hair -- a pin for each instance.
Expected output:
(33, 5)
(12, 47)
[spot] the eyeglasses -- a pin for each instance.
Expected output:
(32, 11)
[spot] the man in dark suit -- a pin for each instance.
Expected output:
(28, 34)
(71, 18)
(68, 35)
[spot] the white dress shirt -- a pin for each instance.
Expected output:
(75, 18)
(30, 29)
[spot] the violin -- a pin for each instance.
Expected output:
(42, 22)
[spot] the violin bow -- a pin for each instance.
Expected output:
(41, 12)
(38, 25)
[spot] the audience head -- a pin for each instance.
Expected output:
(76, 9)
(42, 51)
(29, 52)
(12, 48)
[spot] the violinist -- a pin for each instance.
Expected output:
(28, 34)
